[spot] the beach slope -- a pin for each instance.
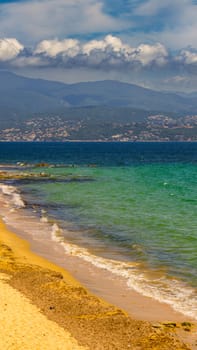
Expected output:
(43, 307)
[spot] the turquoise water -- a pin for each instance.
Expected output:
(142, 213)
(127, 208)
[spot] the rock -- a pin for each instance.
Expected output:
(186, 324)
(169, 324)
(51, 307)
(157, 325)
(187, 329)
(42, 165)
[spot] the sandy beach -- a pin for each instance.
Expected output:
(23, 326)
(44, 307)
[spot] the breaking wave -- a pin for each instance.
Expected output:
(14, 196)
(170, 291)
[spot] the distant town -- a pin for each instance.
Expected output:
(157, 127)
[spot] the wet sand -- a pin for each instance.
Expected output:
(78, 317)
(99, 281)
(88, 319)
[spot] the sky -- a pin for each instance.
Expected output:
(151, 43)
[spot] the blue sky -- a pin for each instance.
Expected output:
(149, 42)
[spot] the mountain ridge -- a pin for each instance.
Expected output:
(22, 97)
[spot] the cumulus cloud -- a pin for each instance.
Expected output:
(109, 53)
(148, 54)
(187, 57)
(53, 48)
(111, 42)
(9, 49)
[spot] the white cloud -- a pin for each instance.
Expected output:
(185, 83)
(110, 52)
(148, 54)
(52, 48)
(177, 79)
(31, 61)
(9, 49)
(110, 42)
(34, 20)
(172, 23)
(187, 57)
(107, 54)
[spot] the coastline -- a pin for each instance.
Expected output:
(97, 280)
(61, 298)
(90, 314)
(101, 277)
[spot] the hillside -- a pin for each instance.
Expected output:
(41, 110)
(20, 96)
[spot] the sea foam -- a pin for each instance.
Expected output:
(170, 291)
(14, 197)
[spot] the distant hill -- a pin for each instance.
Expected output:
(41, 110)
(22, 97)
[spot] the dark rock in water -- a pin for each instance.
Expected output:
(24, 178)
(42, 165)
(52, 179)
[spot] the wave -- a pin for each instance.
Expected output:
(178, 295)
(14, 196)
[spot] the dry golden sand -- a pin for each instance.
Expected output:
(22, 326)
(63, 313)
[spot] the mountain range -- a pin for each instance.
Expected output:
(22, 97)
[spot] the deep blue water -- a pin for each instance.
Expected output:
(108, 154)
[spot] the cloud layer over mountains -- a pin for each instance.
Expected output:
(107, 53)
(149, 42)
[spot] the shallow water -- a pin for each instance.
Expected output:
(136, 218)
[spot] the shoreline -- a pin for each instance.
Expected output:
(106, 289)
(26, 252)
(103, 141)
(103, 283)
(57, 292)
(97, 280)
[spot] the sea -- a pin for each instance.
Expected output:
(129, 208)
